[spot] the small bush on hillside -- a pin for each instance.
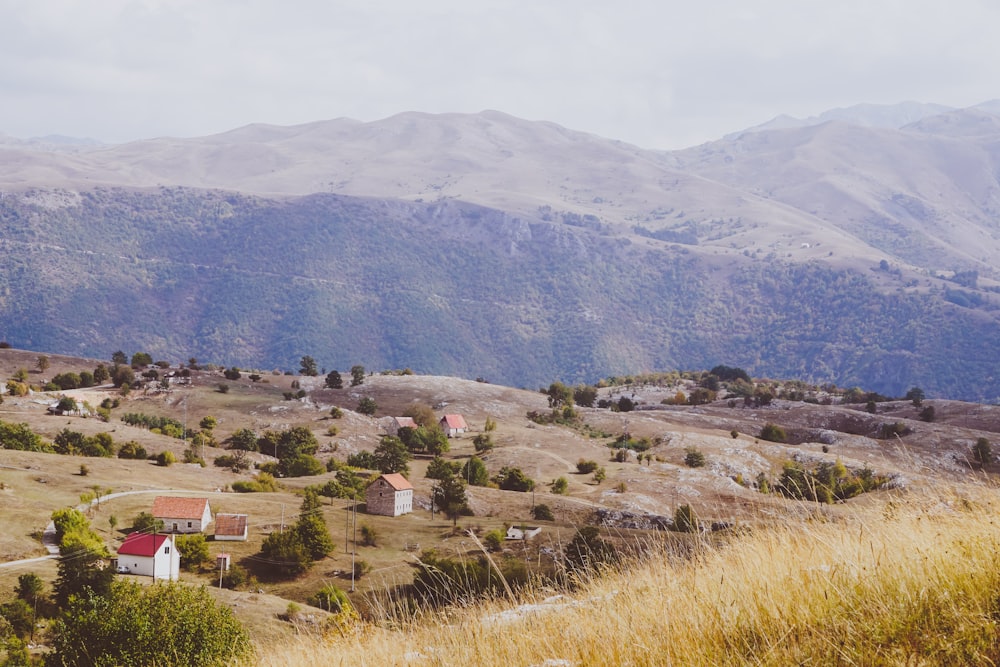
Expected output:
(685, 520)
(694, 458)
(773, 433)
(560, 485)
(585, 467)
(493, 540)
(542, 512)
(165, 458)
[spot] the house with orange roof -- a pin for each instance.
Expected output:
(453, 425)
(182, 515)
(389, 495)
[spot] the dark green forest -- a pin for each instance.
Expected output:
(456, 289)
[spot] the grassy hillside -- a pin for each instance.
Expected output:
(773, 568)
(455, 289)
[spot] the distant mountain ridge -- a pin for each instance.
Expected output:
(486, 245)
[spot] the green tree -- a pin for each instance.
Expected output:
(483, 442)
(559, 395)
(334, 381)
(302, 465)
(307, 366)
(207, 423)
(391, 456)
(560, 486)
(144, 522)
(542, 512)
(449, 496)
(82, 553)
(42, 363)
(101, 374)
(284, 554)
(141, 359)
(474, 472)
(439, 468)
(167, 624)
(586, 466)
(513, 479)
(927, 414)
(916, 396)
(585, 395)
(193, 550)
(311, 526)
(119, 358)
(122, 376)
(357, 375)
(243, 438)
(367, 406)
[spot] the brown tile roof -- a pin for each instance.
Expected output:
(169, 507)
(397, 481)
(230, 524)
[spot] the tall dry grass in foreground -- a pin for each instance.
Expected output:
(907, 585)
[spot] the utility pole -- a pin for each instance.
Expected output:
(354, 552)
(281, 528)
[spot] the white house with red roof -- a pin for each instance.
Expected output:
(147, 555)
(453, 425)
(182, 515)
(389, 495)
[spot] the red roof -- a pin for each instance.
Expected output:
(405, 422)
(169, 507)
(397, 481)
(454, 421)
(230, 524)
(142, 544)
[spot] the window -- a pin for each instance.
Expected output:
(189, 524)
(166, 550)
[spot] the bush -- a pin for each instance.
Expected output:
(772, 433)
(685, 520)
(331, 599)
(560, 485)
(542, 512)
(585, 467)
(367, 406)
(369, 536)
(694, 458)
(493, 540)
(165, 459)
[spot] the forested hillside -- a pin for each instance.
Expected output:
(454, 288)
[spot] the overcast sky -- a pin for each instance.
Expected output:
(660, 74)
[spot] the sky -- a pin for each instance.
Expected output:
(659, 74)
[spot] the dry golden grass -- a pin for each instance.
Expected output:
(914, 583)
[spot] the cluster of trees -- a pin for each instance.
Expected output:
(294, 449)
(291, 552)
(825, 482)
(390, 456)
(156, 424)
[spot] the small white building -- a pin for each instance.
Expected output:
(147, 555)
(233, 527)
(182, 515)
(522, 532)
(389, 495)
(453, 425)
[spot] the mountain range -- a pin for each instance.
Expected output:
(854, 248)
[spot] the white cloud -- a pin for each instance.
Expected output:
(660, 74)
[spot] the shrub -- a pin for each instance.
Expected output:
(542, 512)
(560, 485)
(369, 536)
(330, 598)
(585, 467)
(982, 451)
(694, 458)
(367, 406)
(772, 433)
(165, 458)
(493, 540)
(685, 520)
